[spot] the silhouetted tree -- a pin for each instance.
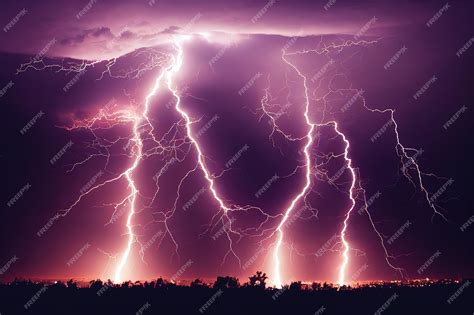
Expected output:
(197, 283)
(226, 282)
(96, 284)
(327, 286)
(315, 286)
(59, 284)
(295, 286)
(258, 280)
(160, 283)
(71, 284)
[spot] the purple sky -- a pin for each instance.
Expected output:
(139, 34)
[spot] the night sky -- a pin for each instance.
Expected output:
(241, 82)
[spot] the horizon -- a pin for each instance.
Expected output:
(312, 141)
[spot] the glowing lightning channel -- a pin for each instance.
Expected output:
(128, 174)
(345, 253)
(276, 257)
(170, 72)
(178, 62)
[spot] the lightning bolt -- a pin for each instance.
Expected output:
(277, 280)
(345, 253)
(355, 188)
(142, 131)
(129, 173)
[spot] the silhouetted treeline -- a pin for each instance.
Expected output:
(228, 296)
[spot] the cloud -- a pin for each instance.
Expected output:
(170, 30)
(85, 35)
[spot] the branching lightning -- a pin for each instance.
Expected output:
(143, 143)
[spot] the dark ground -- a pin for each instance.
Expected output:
(229, 298)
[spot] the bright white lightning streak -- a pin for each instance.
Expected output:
(345, 253)
(276, 257)
(128, 174)
(140, 120)
(177, 63)
(175, 67)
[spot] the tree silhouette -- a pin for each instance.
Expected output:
(160, 283)
(295, 286)
(258, 280)
(71, 284)
(197, 283)
(226, 282)
(315, 286)
(96, 284)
